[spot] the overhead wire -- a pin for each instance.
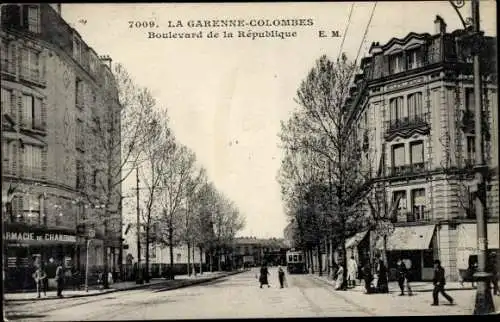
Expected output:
(366, 31)
(345, 31)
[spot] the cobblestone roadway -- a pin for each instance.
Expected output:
(240, 296)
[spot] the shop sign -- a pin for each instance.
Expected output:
(26, 236)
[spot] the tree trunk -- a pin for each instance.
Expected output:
(311, 259)
(146, 273)
(171, 248)
(193, 269)
(320, 266)
(189, 259)
(219, 255)
(384, 255)
(344, 262)
(201, 260)
(211, 260)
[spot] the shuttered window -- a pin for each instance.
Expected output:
(415, 104)
(32, 161)
(398, 155)
(417, 152)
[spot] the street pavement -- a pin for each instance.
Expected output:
(239, 296)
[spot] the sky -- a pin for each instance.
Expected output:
(226, 96)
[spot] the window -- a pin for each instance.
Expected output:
(33, 19)
(413, 58)
(30, 64)
(79, 93)
(397, 108)
(469, 99)
(398, 155)
(5, 157)
(471, 150)
(6, 96)
(415, 105)
(79, 175)
(179, 257)
(32, 210)
(418, 204)
(32, 112)
(417, 152)
(401, 195)
(396, 63)
(32, 160)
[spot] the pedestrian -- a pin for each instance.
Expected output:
(340, 277)
(281, 276)
(403, 278)
(368, 277)
(492, 269)
(352, 269)
(264, 272)
(60, 278)
(382, 280)
(439, 283)
(40, 278)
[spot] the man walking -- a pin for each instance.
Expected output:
(352, 269)
(40, 278)
(59, 279)
(281, 276)
(403, 278)
(439, 283)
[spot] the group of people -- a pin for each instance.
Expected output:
(42, 281)
(264, 273)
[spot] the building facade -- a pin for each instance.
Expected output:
(57, 95)
(413, 114)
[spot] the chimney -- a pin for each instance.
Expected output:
(105, 59)
(439, 25)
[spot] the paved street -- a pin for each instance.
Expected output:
(237, 296)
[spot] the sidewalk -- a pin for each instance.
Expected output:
(179, 281)
(394, 305)
(394, 287)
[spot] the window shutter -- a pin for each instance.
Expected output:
(13, 106)
(14, 158)
(44, 114)
(44, 163)
(20, 165)
(385, 69)
(20, 208)
(20, 109)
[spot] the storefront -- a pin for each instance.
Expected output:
(467, 242)
(28, 246)
(415, 244)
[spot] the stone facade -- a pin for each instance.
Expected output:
(54, 88)
(410, 105)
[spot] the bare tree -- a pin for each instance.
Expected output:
(178, 169)
(119, 130)
(321, 126)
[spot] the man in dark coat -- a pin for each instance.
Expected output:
(281, 276)
(368, 277)
(439, 283)
(382, 282)
(263, 276)
(403, 278)
(60, 279)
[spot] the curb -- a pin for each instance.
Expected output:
(413, 289)
(135, 287)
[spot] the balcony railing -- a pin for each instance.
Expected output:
(418, 216)
(8, 66)
(408, 122)
(32, 74)
(408, 169)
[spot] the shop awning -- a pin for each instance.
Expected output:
(467, 236)
(408, 238)
(355, 240)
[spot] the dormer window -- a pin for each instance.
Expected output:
(396, 63)
(413, 58)
(33, 19)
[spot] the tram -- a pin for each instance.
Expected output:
(295, 262)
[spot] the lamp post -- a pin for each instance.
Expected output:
(484, 301)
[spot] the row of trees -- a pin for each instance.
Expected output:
(326, 190)
(178, 204)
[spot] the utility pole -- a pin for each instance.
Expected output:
(484, 301)
(139, 270)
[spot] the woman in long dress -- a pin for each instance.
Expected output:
(263, 276)
(340, 278)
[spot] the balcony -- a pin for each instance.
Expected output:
(418, 216)
(32, 75)
(407, 123)
(408, 169)
(8, 67)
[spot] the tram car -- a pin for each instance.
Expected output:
(295, 262)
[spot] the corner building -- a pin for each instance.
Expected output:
(413, 111)
(56, 92)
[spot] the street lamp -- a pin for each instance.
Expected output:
(484, 301)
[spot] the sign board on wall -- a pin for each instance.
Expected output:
(32, 236)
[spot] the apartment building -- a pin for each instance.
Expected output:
(413, 111)
(56, 96)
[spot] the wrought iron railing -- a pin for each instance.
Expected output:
(418, 216)
(408, 169)
(412, 121)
